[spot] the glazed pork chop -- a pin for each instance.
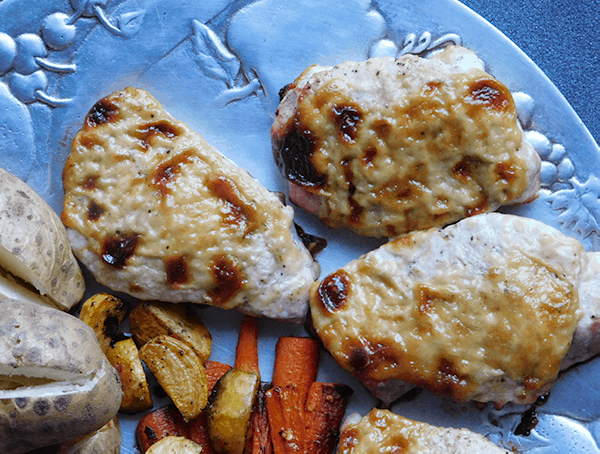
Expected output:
(383, 431)
(154, 211)
(385, 146)
(489, 309)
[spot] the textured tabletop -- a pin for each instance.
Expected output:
(562, 37)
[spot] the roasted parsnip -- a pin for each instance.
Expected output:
(151, 319)
(124, 356)
(179, 371)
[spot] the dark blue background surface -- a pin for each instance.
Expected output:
(562, 37)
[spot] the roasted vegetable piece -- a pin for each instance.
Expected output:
(104, 313)
(159, 424)
(175, 445)
(179, 371)
(304, 415)
(324, 411)
(246, 352)
(151, 319)
(258, 439)
(230, 409)
(125, 357)
(214, 371)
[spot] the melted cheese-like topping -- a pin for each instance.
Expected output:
(393, 146)
(382, 431)
(166, 216)
(482, 310)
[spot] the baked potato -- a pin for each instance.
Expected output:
(55, 383)
(106, 440)
(34, 249)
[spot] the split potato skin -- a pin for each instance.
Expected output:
(70, 387)
(34, 246)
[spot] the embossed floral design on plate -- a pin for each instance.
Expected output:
(219, 66)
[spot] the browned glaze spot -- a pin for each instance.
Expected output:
(348, 440)
(88, 141)
(177, 269)
(488, 93)
(238, 213)
(407, 188)
(296, 153)
(506, 172)
(481, 207)
(449, 381)
(466, 169)
(431, 87)
(426, 298)
(359, 358)
(347, 120)
(355, 209)
(369, 156)
(94, 211)
(117, 249)
(165, 129)
(167, 172)
(334, 291)
(103, 111)
(90, 183)
(382, 128)
(228, 279)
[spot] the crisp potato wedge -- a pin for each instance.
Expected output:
(179, 371)
(34, 246)
(124, 356)
(151, 319)
(175, 445)
(104, 313)
(230, 409)
(60, 386)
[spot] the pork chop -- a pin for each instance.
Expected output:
(384, 431)
(488, 309)
(154, 211)
(387, 146)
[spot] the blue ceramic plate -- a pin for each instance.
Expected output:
(218, 65)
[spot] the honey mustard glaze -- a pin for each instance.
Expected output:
(143, 187)
(393, 146)
(455, 321)
(382, 431)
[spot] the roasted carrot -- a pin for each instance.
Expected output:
(296, 362)
(295, 369)
(259, 439)
(276, 422)
(198, 432)
(324, 411)
(246, 354)
(158, 424)
(214, 370)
